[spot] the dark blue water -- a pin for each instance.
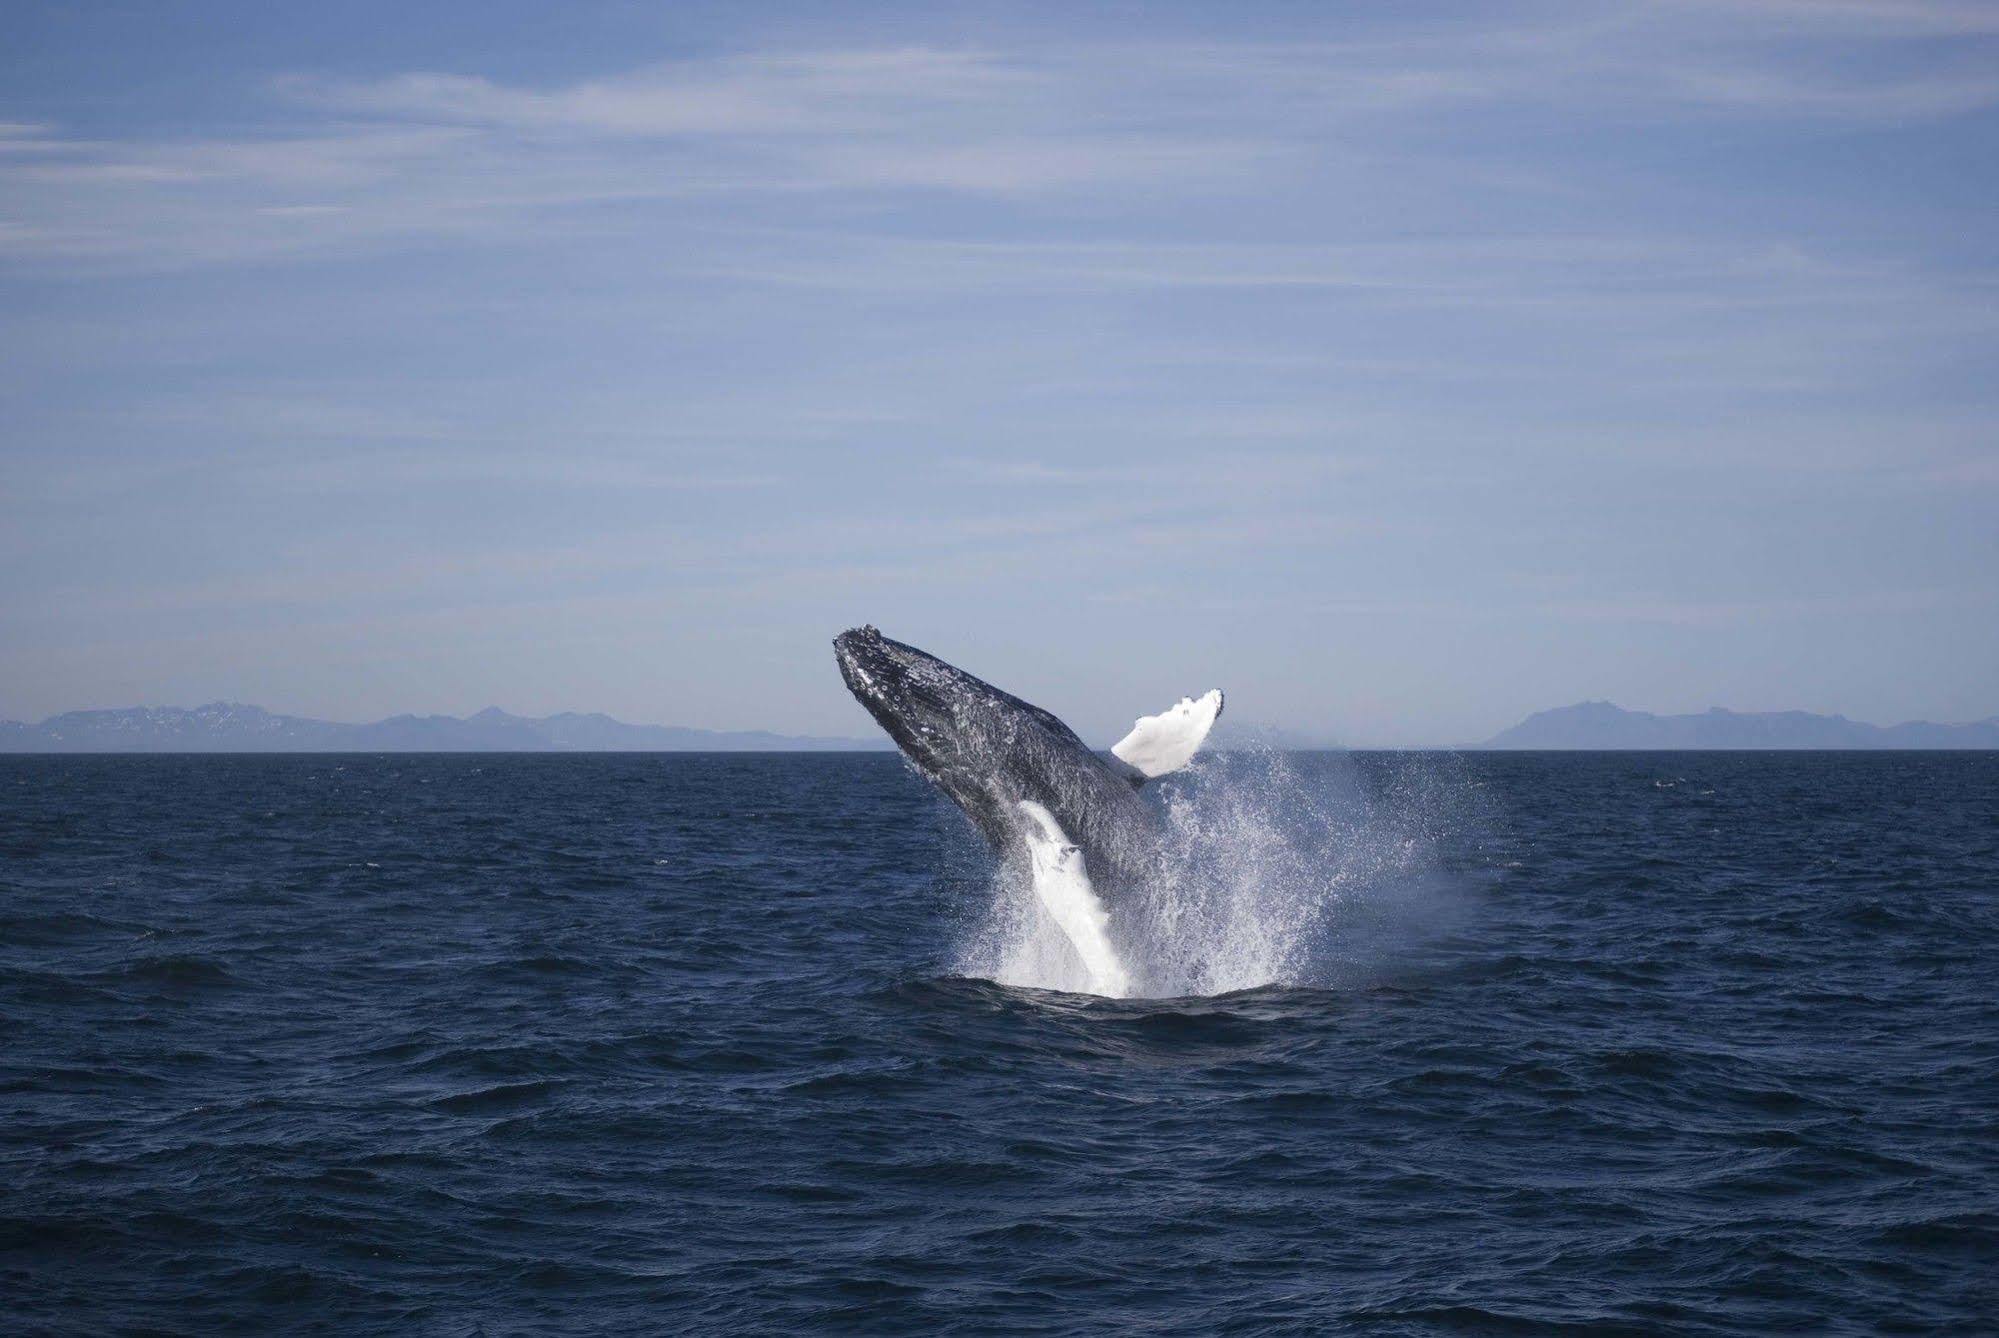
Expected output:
(478, 1045)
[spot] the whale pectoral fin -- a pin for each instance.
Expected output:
(1062, 885)
(1159, 745)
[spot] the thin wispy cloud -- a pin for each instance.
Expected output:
(1549, 342)
(811, 94)
(345, 163)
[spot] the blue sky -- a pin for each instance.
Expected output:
(1401, 369)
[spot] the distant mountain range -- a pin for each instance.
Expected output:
(1602, 725)
(225, 727)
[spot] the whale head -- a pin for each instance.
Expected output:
(986, 749)
(939, 715)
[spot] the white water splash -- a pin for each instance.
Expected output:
(1261, 873)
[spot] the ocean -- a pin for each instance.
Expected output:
(1639, 1043)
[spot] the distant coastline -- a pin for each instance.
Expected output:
(229, 727)
(1602, 726)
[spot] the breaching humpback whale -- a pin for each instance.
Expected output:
(1033, 789)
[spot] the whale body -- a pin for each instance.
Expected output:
(1035, 791)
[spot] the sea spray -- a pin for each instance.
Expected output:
(1262, 866)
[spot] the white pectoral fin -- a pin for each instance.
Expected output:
(1159, 745)
(1062, 882)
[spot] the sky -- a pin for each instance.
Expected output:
(1400, 369)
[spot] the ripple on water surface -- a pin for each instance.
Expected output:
(1606, 1044)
